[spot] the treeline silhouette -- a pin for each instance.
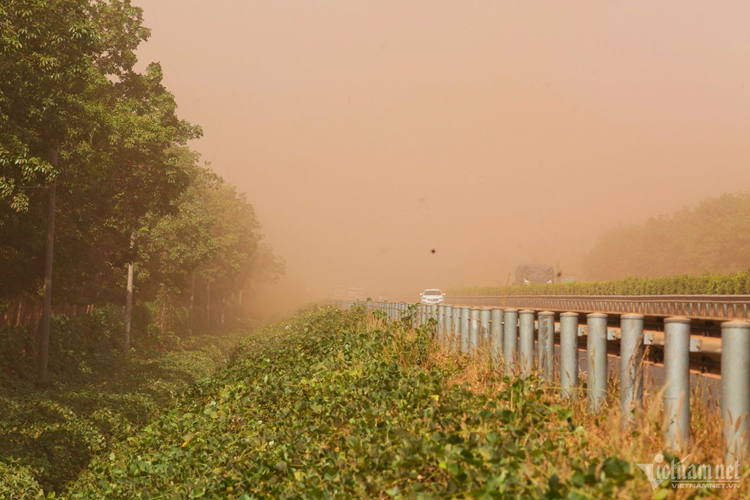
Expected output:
(713, 237)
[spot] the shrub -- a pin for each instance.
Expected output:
(706, 284)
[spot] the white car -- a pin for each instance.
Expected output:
(432, 296)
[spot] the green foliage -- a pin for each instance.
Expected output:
(74, 112)
(45, 57)
(48, 437)
(705, 284)
(322, 407)
(18, 482)
(51, 55)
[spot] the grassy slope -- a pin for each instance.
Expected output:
(47, 437)
(332, 405)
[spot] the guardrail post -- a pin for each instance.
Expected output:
(677, 382)
(596, 347)
(569, 354)
(510, 340)
(484, 328)
(465, 329)
(456, 337)
(434, 317)
(474, 338)
(496, 336)
(447, 324)
(440, 322)
(526, 341)
(546, 344)
(631, 366)
(735, 388)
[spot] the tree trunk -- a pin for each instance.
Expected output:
(192, 303)
(129, 297)
(20, 309)
(208, 304)
(163, 316)
(223, 310)
(43, 374)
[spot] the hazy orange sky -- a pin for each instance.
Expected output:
(367, 133)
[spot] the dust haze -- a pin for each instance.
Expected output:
(367, 134)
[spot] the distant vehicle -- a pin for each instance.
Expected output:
(528, 274)
(432, 296)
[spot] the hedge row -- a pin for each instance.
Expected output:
(705, 284)
(331, 406)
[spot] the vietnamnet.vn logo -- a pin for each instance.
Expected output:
(682, 475)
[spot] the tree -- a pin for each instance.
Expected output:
(178, 242)
(212, 237)
(149, 176)
(53, 55)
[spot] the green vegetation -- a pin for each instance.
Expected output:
(729, 284)
(335, 404)
(100, 397)
(101, 200)
(103, 208)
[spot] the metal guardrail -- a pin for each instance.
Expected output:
(704, 307)
(520, 341)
